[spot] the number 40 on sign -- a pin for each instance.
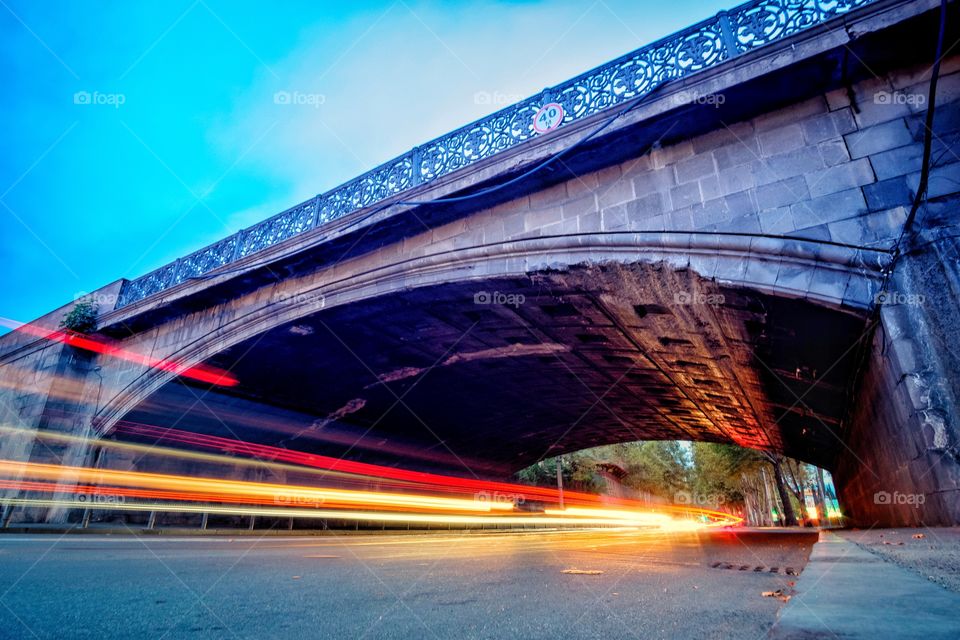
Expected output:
(548, 118)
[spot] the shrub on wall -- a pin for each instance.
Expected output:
(81, 319)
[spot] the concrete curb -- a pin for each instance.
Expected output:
(846, 592)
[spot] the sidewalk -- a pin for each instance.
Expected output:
(846, 592)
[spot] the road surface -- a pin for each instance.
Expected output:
(436, 585)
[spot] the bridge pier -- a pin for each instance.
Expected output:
(901, 460)
(56, 391)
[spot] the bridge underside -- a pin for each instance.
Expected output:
(489, 376)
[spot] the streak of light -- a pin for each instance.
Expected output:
(169, 452)
(200, 372)
(640, 518)
(359, 516)
(278, 492)
(494, 490)
(204, 489)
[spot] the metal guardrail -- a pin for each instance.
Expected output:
(706, 44)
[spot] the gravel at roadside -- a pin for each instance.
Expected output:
(933, 553)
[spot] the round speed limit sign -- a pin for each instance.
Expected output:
(548, 118)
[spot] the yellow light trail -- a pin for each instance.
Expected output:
(183, 454)
(37, 471)
(358, 516)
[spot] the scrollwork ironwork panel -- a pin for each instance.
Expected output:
(145, 286)
(372, 187)
(208, 259)
(278, 228)
(758, 23)
(701, 46)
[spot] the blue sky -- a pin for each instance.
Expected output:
(181, 142)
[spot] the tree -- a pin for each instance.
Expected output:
(776, 462)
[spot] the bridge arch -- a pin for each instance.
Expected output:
(616, 275)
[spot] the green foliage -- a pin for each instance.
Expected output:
(81, 319)
(718, 469)
(656, 467)
(715, 475)
(660, 468)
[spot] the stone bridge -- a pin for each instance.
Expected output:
(715, 249)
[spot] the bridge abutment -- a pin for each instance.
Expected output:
(900, 464)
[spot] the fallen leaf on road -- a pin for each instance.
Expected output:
(583, 572)
(919, 536)
(778, 594)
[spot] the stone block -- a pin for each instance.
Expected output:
(646, 207)
(793, 163)
(745, 223)
(737, 179)
(828, 284)
(685, 195)
(780, 140)
(882, 137)
(762, 272)
(723, 136)
(666, 156)
(680, 220)
(569, 226)
(614, 192)
(730, 269)
(512, 225)
(580, 206)
(829, 208)
(535, 219)
(943, 181)
(710, 187)
(782, 193)
(887, 193)
(789, 115)
(850, 231)
(828, 125)
(706, 266)
(837, 99)
(776, 221)
(834, 152)
(548, 196)
(744, 150)
(874, 108)
(654, 180)
(614, 218)
(580, 185)
(694, 168)
(590, 222)
(710, 212)
(860, 293)
(897, 162)
(794, 278)
(840, 177)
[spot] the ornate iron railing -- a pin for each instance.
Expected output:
(703, 45)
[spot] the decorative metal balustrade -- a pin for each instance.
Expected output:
(701, 46)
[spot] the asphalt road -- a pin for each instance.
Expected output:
(438, 585)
